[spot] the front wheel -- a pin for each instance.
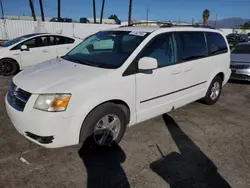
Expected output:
(105, 125)
(214, 91)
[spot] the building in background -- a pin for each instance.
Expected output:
(28, 18)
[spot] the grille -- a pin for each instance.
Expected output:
(17, 97)
(240, 66)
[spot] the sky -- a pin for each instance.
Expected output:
(160, 10)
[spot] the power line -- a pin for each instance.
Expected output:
(215, 24)
(147, 11)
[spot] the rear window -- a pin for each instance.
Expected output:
(241, 49)
(216, 43)
(191, 45)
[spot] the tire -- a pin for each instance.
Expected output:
(90, 126)
(8, 67)
(212, 97)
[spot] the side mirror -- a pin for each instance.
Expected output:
(147, 63)
(24, 48)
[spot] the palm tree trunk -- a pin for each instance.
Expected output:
(103, 3)
(41, 8)
(1, 4)
(94, 11)
(59, 9)
(32, 9)
(130, 12)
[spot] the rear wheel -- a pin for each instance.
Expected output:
(105, 125)
(214, 91)
(8, 67)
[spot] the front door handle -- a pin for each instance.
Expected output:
(45, 51)
(176, 72)
(187, 69)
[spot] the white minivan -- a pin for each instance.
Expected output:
(31, 49)
(117, 78)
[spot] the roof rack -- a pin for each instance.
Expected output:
(169, 24)
(139, 23)
(187, 25)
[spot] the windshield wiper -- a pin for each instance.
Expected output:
(84, 62)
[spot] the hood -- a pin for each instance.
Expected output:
(2, 49)
(57, 75)
(241, 58)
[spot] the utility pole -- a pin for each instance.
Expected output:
(58, 9)
(192, 21)
(103, 3)
(215, 24)
(179, 19)
(130, 12)
(94, 11)
(147, 11)
(32, 9)
(1, 4)
(41, 8)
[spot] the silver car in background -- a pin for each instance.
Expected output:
(240, 62)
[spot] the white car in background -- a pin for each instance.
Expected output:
(31, 49)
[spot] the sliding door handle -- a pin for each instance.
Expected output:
(187, 69)
(176, 72)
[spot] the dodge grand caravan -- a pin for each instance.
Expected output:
(117, 78)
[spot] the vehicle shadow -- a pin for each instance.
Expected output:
(103, 166)
(189, 168)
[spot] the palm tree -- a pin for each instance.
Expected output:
(1, 4)
(103, 3)
(94, 11)
(130, 12)
(205, 16)
(41, 8)
(59, 9)
(32, 9)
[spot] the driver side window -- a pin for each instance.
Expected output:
(162, 48)
(31, 43)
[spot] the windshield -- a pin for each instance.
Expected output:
(16, 40)
(106, 49)
(241, 49)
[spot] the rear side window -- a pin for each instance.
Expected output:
(57, 40)
(216, 43)
(191, 45)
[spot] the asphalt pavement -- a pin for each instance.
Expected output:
(195, 146)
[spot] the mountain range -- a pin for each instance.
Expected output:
(227, 23)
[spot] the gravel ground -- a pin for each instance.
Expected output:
(195, 146)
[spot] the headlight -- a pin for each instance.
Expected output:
(52, 102)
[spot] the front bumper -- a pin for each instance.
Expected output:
(52, 129)
(240, 74)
